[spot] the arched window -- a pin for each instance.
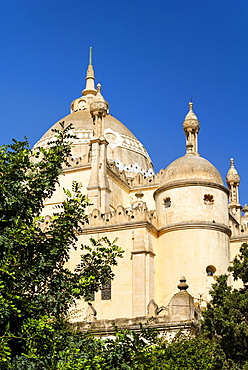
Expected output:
(210, 270)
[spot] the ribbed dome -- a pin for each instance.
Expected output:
(190, 168)
(124, 148)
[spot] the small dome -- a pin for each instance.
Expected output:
(232, 175)
(190, 167)
(98, 103)
(191, 121)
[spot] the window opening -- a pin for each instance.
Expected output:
(210, 270)
(167, 202)
(106, 290)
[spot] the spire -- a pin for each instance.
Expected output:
(90, 57)
(90, 78)
(191, 127)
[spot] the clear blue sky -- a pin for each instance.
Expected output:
(150, 56)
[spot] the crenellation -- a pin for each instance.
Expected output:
(142, 180)
(111, 166)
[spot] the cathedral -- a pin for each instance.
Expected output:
(182, 223)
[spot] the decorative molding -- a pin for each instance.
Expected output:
(237, 239)
(120, 227)
(186, 183)
(194, 225)
(107, 327)
(152, 254)
(77, 168)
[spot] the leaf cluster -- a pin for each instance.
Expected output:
(34, 282)
(226, 317)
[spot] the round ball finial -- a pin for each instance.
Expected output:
(182, 286)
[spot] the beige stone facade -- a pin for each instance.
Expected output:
(180, 221)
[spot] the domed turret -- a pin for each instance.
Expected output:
(192, 215)
(233, 181)
(98, 104)
(191, 127)
(98, 110)
(232, 176)
(190, 168)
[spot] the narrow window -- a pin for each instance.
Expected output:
(167, 202)
(208, 199)
(106, 290)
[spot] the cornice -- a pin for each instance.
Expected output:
(120, 227)
(237, 239)
(107, 327)
(143, 251)
(194, 225)
(143, 187)
(83, 167)
(186, 183)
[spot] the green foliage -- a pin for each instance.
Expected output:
(187, 353)
(226, 318)
(36, 290)
(239, 266)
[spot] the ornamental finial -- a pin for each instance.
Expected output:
(90, 56)
(90, 78)
(183, 286)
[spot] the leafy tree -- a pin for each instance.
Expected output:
(35, 287)
(36, 290)
(226, 318)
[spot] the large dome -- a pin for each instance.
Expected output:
(124, 148)
(190, 168)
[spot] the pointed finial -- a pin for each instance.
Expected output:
(232, 162)
(90, 78)
(90, 56)
(191, 106)
(99, 86)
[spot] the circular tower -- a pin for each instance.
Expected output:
(192, 212)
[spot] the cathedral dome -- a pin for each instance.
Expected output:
(124, 148)
(190, 168)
